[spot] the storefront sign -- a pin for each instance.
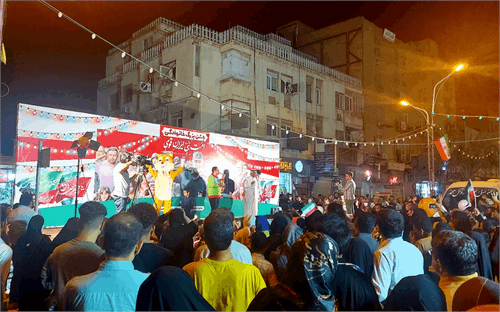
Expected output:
(285, 165)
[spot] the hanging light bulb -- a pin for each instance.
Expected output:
(373, 144)
(313, 138)
(222, 106)
(257, 121)
(124, 54)
(198, 95)
(365, 144)
(463, 117)
(480, 117)
(151, 70)
(287, 131)
(93, 36)
(356, 144)
(403, 139)
(335, 142)
(389, 142)
(239, 114)
(325, 140)
(381, 143)
(176, 83)
(300, 136)
(448, 116)
(59, 14)
(396, 141)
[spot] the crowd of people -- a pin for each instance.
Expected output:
(387, 254)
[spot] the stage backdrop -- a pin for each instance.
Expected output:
(200, 151)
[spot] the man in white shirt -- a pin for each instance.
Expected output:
(105, 169)
(121, 181)
(395, 259)
(250, 184)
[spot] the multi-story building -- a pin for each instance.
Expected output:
(390, 70)
(262, 76)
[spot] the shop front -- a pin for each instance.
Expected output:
(297, 176)
(7, 177)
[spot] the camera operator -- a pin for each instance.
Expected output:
(121, 181)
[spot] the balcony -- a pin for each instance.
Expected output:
(354, 121)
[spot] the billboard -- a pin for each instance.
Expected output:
(198, 150)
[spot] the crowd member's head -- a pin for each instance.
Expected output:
(112, 155)
(390, 223)
(175, 217)
(218, 230)
(364, 223)
(121, 239)
(67, 233)
(301, 223)
(439, 227)
(92, 216)
(377, 208)
(147, 214)
(454, 254)
(311, 271)
(27, 199)
(476, 292)
(279, 223)
(495, 213)
(170, 289)
(215, 171)
(337, 209)
(311, 219)
(416, 293)
(4, 210)
(258, 242)
(422, 227)
(104, 194)
(33, 233)
(460, 221)
(335, 227)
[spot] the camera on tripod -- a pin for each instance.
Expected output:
(142, 160)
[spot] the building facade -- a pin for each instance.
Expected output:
(262, 76)
(391, 71)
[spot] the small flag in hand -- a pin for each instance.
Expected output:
(469, 192)
(308, 209)
(442, 145)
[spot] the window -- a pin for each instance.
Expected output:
(148, 43)
(284, 81)
(339, 135)
(348, 103)
(271, 121)
(169, 70)
(176, 119)
(230, 116)
(339, 100)
(272, 80)
(286, 125)
(319, 126)
(197, 61)
(129, 91)
(339, 117)
(318, 96)
(310, 125)
(308, 93)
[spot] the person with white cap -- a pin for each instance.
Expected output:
(463, 204)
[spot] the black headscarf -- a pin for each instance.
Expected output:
(33, 234)
(312, 265)
(170, 289)
(279, 223)
(416, 293)
(360, 254)
(67, 233)
(279, 258)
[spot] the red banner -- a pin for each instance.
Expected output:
(67, 189)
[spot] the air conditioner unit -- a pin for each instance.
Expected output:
(145, 86)
(403, 125)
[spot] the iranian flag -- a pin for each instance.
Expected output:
(308, 209)
(469, 192)
(442, 145)
(67, 186)
(47, 189)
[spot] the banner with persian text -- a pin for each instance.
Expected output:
(198, 150)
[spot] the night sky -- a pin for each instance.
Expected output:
(52, 62)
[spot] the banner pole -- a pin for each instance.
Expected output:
(38, 169)
(77, 186)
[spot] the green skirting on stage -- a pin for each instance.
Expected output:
(58, 216)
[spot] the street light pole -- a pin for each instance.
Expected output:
(434, 97)
(426, 116)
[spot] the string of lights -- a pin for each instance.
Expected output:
(240, 113)
(468, 116)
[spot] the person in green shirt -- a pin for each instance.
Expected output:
(214, 188)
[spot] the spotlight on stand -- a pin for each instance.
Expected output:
(81, 145)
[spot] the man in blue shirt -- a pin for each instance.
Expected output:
(114, 286)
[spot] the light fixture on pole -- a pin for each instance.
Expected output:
(426, 115)
(434, 97)
(81, 146)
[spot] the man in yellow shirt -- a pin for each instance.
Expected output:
(454, 258)
(226, 283)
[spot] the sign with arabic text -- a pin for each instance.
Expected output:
(182, 141)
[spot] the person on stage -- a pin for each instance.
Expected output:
(251, 186)
(214, 188)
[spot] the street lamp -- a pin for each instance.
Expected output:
(457, 68)
(426, 115)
